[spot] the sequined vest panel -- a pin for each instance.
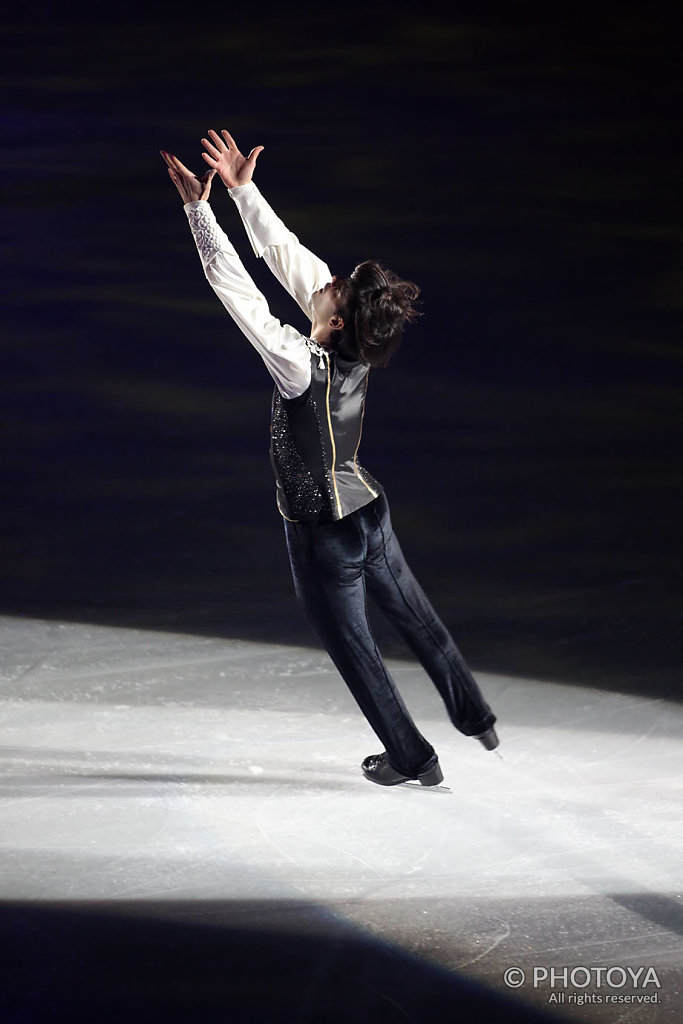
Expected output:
(315, 440)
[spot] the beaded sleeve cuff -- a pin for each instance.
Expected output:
(208, 235)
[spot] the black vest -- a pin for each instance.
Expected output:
(315, 440)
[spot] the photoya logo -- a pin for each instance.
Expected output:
(583, 977)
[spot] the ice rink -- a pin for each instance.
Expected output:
(213, 787)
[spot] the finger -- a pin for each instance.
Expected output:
(178, 164)
(210, 148)
(210, 160)
(254, 155)
(176, 180)
(229, 139)
(218, 142)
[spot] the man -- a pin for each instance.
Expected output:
(339, 535)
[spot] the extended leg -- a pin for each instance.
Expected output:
(401, 598)
(327, 568)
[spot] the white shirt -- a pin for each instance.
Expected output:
(284, 350)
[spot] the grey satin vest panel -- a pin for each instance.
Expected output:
(315, 440)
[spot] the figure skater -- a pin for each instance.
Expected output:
(336, 516)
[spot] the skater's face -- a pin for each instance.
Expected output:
(326, 302)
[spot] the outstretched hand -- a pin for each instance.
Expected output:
(223, 156)
(189, 185)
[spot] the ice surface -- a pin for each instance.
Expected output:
(141, 766)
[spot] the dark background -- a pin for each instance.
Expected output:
(521, 162)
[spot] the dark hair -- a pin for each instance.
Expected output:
(376, 305)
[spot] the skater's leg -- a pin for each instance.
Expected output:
(395, 589)
(327, 568)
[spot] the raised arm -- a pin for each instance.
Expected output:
(282, 348)
(299, 270)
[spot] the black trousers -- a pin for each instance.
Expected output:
(334, 567)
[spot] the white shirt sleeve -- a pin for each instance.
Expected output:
(296, 268)
(282, 348)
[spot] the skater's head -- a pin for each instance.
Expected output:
(367, 312)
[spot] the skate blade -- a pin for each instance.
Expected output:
(425, 789)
